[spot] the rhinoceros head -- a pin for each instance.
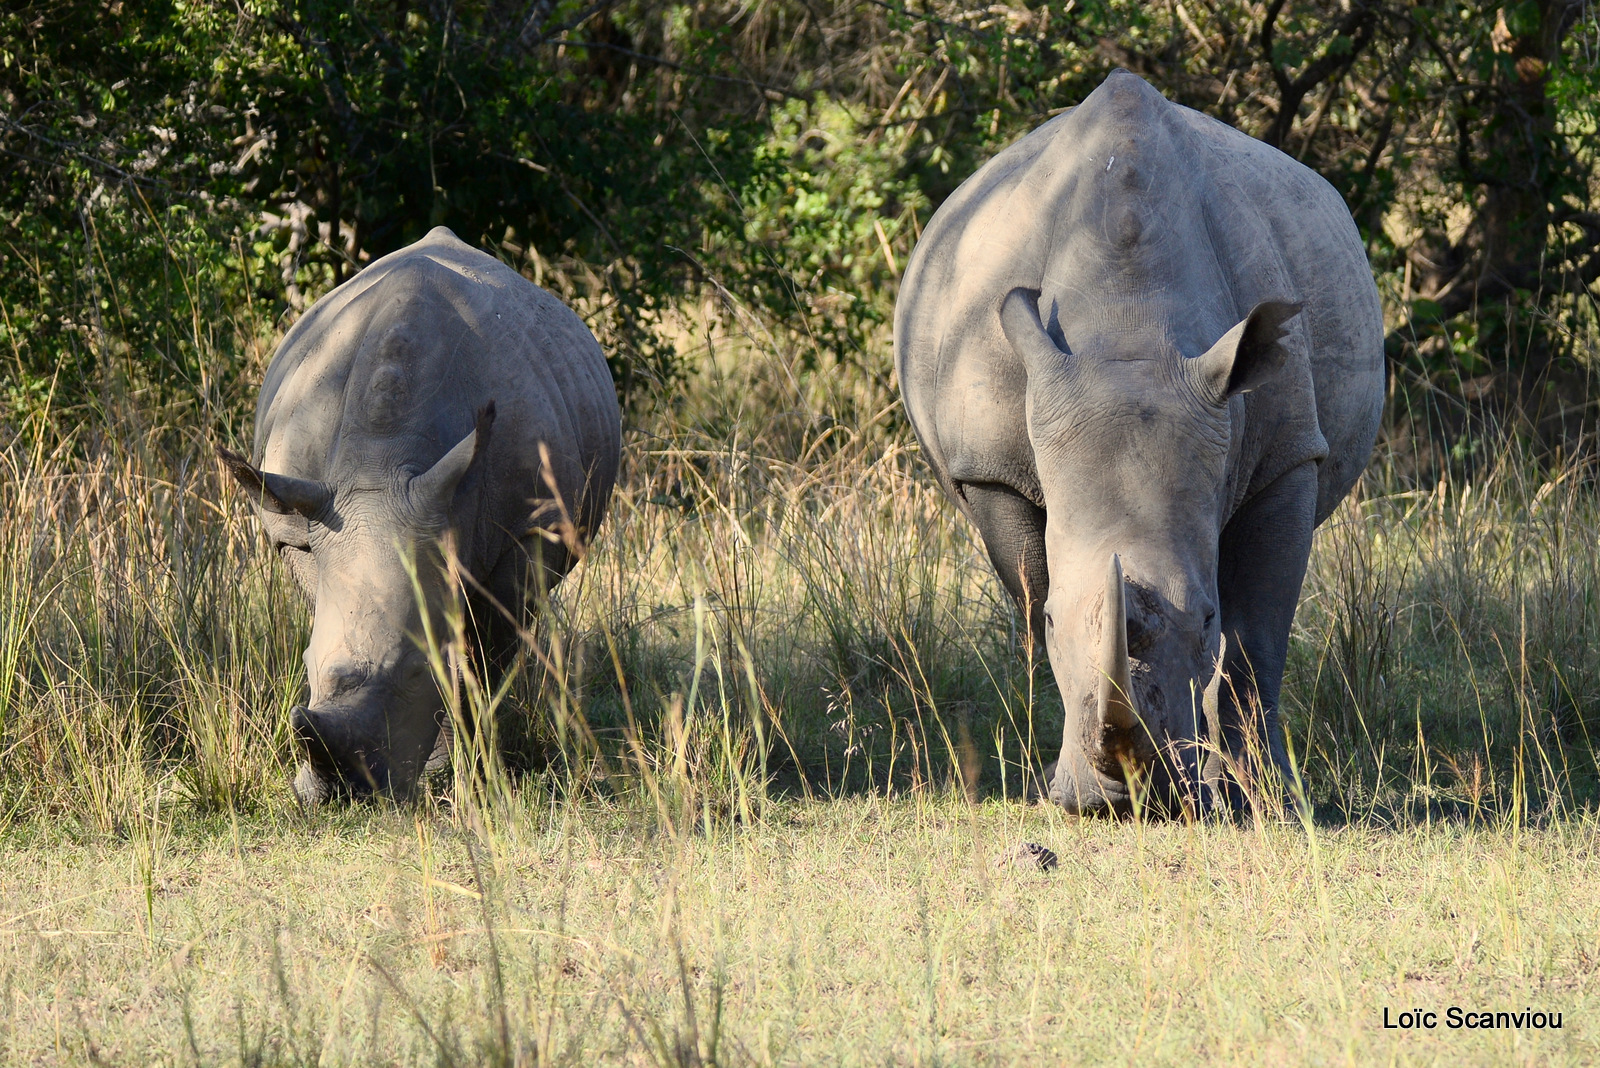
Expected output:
(1131, 438)
(373, 713)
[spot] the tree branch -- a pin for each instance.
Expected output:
(1358, 28)
(74, 150)
(662, 61)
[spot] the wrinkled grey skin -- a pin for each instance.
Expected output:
(1144, 354)
(411, 404)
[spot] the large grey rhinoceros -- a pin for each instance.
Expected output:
(437, 394)
(1144, 354)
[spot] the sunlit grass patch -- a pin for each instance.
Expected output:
(844, 932)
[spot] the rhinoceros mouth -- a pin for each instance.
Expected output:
(1168, 784)
(339, 760)
(1088, 793)
(1159, 792)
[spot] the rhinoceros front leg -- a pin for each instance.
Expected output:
(1261, 564)
(499, 617)
(1013, 531)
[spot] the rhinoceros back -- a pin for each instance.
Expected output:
(1240, 223)
(389, 370)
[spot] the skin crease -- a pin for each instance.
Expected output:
(1143, 353)
(436, 395)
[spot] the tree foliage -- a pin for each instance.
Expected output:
(166, 162)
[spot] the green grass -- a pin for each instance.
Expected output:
(743, 800)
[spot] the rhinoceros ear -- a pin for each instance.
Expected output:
(281, 494)
(1246, 356)
(432, 490)
(1019, 319)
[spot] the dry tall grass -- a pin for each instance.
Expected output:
(777, 603)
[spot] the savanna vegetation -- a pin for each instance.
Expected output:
(743, 800)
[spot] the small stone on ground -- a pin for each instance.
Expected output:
(1030, 855)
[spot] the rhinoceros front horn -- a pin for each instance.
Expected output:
(1118, 719)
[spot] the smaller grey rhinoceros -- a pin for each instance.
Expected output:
(1144, 354)
(437, 395)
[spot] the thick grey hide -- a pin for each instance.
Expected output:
(1098, 343)
(436, 394)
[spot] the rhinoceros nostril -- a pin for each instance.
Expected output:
(305, 731)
